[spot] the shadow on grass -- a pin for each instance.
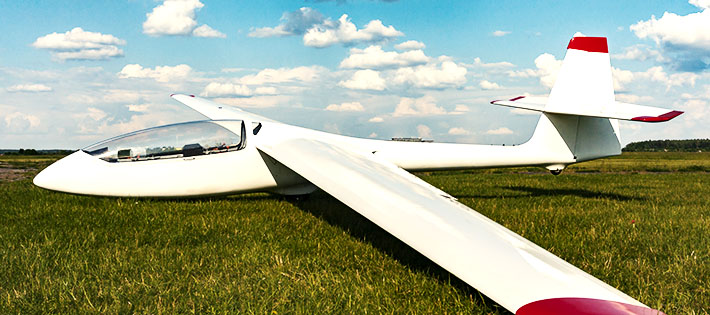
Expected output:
(583, 193)
(325, 207)
(528, 192)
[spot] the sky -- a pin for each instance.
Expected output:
(75, 72)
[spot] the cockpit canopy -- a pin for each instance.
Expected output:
(171, 141)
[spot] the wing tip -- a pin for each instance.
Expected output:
(511, 100)
(584, 306)
(661, 118)
(589, 44)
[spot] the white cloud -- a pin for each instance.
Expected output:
(206, 31)
(460, 109)
(138, 108)
(410, 45)
(423, 106)
(620, 78)
(32, 88)
(373, 57)
(216, 89)
(487, 85)
(177, 17)
(18, 122)
(365, 80)
(547, 68)
(343, 31)
(641, 53)
(346, 107)
(477, 63)
(437, 75)
(376, 119)
(160, 73)
(292, 23)
(372, 135)
(500, 33)
(657, 74)
(456, 131)
(499, 131)
(689, 31)
(78, 44)
(281, 75)
(424, 131)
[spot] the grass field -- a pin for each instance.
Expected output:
(639, 222)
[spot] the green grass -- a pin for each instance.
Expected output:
(260, 253)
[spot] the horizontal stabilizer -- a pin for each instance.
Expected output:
(618, 110)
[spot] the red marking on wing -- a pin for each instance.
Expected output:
(590, 44)
(516, 98)
(584, 306)
(665, 117)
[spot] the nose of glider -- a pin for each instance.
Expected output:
(58, 176)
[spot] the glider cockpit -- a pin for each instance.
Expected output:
(172, 141)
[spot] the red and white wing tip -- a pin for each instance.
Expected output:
(665, 117)
(590, 44)
(512, 99)
(584, 306)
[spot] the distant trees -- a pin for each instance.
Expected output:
(692, 145)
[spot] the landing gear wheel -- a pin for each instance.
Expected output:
(556, 172)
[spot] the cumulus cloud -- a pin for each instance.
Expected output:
(159, 73)
(373, 57)
(547, 68)
(177, 17)
(78, 44)
(436, 75)
(18, 122)
(457, 131)
(345, 32)
(321, 32)
(424, 131)
(423, 106)
(686, 37)
(487, 85)
(500, 33)
(410, 45)
(292, 23)
(206, 31)
(282, 75)
(477, 63)
(365, 80)
(640, 53)
(499, 131)
(346, 107)
(376, 119)
(31, 88)
(216, 89)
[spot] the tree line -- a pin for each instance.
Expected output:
(691, 145)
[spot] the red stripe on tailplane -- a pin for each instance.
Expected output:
(665, 117)
(584, 306)
(516, 98)
(590, 44)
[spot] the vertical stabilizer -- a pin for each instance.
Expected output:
(584, 86)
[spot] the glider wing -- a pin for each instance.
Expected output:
(499, 263)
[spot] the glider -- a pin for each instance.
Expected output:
(235, 152)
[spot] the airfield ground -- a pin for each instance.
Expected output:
(639, 222)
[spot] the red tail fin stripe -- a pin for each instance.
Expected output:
(590, 44)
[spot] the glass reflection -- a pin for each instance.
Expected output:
(165, 142)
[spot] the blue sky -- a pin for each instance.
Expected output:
(75, 72)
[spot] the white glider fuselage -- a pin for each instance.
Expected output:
(249, 170)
